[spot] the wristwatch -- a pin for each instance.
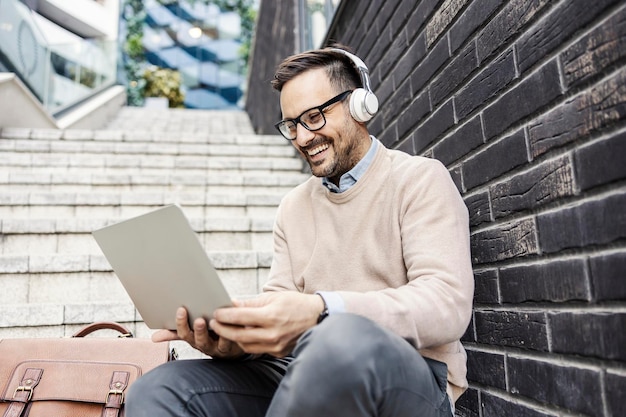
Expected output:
(324, 312)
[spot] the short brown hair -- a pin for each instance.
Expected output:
(341, 73)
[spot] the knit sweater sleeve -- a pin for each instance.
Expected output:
(433, 308)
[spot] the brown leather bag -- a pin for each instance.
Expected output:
(74, 377)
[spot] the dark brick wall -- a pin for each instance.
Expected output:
(275, 39)
(525, 103)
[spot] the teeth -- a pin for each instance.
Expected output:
(317, 150)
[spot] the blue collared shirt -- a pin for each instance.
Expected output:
(350, 178)
(333, 301)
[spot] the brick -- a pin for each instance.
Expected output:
(555, 281)
(435, 58)
(493, 406)
(486, 368)
(531, 94)
(510, 240)
(509, 21)
(497, 159)
(475, 16)
(486, 286)
(420, 16)
(479, 208)
(440, 121)
(401, 13)
(454, 74)
(595, 52)
(601, 162)
(406, 146)
(415, 110)
(470, 335)
(570, 387)
(486, 85)
(461, 142)
(457, 177)
(393, 53)
(608, 276)
(590, 111)
(468, 404)
(544, 183)
(525, 330)
(558, 26)
(442, 18)
(590, 223)
(589, 334)
(615, 384)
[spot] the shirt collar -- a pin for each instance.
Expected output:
(350, 178)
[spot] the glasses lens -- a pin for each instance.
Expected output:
(313, 119)
(287, 129)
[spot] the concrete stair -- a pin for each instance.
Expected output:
(57, 186)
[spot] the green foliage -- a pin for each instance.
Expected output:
(135, 15)
(162, 82)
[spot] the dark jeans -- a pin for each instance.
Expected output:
(346, 366)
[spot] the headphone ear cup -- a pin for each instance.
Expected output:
(363, 105)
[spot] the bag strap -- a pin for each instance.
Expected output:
(24, 392)
(115, 397)
(100, 325)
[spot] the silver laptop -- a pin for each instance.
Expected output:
(162, 265)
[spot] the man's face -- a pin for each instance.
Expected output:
(338, 146)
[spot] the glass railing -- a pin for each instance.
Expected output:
(59, 67)
(315, 17)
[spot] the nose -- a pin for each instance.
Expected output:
(303, 135)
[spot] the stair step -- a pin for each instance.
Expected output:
(69, 263)
(24, 178)
(139, 162)
(72, 236)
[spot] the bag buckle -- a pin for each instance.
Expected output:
(115, 392)
(22, 388)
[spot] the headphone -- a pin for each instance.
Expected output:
(363, 101)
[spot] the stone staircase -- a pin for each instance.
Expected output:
(57, 186)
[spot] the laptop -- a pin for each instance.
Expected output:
(162, 265)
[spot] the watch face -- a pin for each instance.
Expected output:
(322, 315)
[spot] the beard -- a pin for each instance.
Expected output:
(342, 157)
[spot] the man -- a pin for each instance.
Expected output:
(370, 287)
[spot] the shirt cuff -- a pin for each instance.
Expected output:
(333, 301)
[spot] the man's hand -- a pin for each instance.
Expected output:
(270, 323)
(199, 337)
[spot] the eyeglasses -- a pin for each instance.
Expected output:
(312, 119)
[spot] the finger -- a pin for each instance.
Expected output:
(241, 334)
(164, 336)
(242, 316)
(202, 340)
(224, 345)
(182, 325)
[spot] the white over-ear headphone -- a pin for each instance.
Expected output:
(363, 101)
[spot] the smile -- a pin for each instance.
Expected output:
(317, 150)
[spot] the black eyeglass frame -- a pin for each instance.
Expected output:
(321, 108)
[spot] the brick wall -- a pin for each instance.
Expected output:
(275, 39)
(525, 103)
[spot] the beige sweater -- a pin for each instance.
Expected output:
(396, 248)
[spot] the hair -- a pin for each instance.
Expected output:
(339, 68)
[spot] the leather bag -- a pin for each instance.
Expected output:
(74, 377)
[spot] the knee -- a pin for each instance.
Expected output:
(347, 339)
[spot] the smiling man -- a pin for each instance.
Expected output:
(370, 287)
